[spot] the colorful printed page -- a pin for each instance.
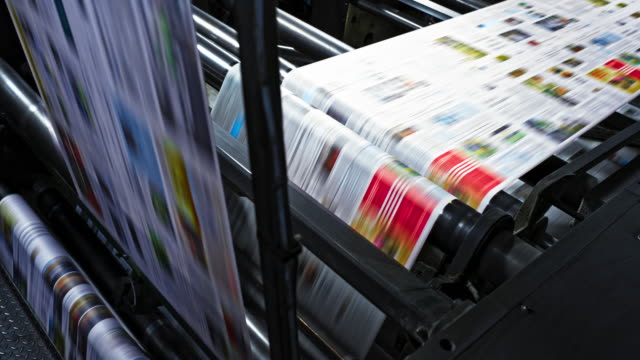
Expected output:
(475, 102)
(123, 84)
(388, 203)
(391, 205)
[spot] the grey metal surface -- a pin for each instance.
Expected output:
(431, 8)
(20, 335)
(29, 119)
(307, 38)
(222, 35)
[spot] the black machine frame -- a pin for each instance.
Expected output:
(507, 323)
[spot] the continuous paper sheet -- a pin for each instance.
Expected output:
(67, 306)
(123, 85)
(388, 203)
(475, 102)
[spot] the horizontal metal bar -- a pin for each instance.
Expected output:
(215, 60)
(216, 30)
(292, 30)
(431, 8)
(387, 12)
(601, 133)
(307, 38)
(578, 166)
(294, 56)
(213, 31)
(29, 119)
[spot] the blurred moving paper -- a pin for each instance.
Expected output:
(475, 102)
(123, 85)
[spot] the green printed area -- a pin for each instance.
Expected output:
(160, 251)
(468, 50)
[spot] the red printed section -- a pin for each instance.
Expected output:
(621, 73)
(623, 67)
(394, 211)
(463, 177)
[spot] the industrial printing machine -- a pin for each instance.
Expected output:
(498, 284)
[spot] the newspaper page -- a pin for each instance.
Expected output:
(123, 85)
(475, 102)
(387, 202)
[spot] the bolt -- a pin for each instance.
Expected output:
(525, 308)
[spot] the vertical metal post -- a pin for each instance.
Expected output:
(263, 113)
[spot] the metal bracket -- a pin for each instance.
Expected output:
(566, 177)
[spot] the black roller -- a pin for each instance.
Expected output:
(480, 245)
(506, 202)
(453, 226)
(27, 116)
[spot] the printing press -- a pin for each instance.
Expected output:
(545, 269)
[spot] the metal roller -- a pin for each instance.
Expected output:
(29, 119)
(307, 38)
(222, 35)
